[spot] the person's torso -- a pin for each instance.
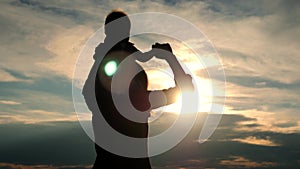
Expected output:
(136, 90)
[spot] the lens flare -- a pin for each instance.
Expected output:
(110, 68)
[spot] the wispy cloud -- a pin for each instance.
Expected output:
(269, 121)
(35, 116)
(9, 102)
(238, 161)
(65, 47)
(256, 141)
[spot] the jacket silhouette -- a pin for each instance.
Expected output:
(138, 93)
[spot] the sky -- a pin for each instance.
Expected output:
(258, 45)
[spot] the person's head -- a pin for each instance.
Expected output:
(121, 25)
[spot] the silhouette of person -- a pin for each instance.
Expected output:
(118, 34)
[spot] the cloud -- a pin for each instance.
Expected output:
(269, 121)
(221, 145)
(256, 141)
(184, 164)
(6, 77)
(16, 74)
(65, 143)
(9, 102)
(66, 46)
(237, 161)
(260, 82)
(35, 116)
(28, 32)
(11, 76)
(286, 124)
(43, 99)
(76, 15)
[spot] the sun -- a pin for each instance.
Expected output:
(199, 100)
(161, 77)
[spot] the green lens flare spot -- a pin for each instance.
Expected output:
(110, 68)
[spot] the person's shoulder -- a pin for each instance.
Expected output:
(99, 50)
(102, 48)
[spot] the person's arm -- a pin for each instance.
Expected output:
(183, 81)
(160, 98)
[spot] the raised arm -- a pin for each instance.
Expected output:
(183, 81)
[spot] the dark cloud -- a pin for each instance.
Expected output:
(287, 10)
(65, 143)
(211, 154)
(16, 74)
(252, 125)
(49, 92)
(241, 162)
(57, 143)
(242, 77)
(48, 83)
(261, 82)
(239, 8)
(286, 125)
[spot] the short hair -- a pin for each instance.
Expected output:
(122, 26)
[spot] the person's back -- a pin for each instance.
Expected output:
(114, 118)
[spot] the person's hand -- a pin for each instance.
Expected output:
(163, 46)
